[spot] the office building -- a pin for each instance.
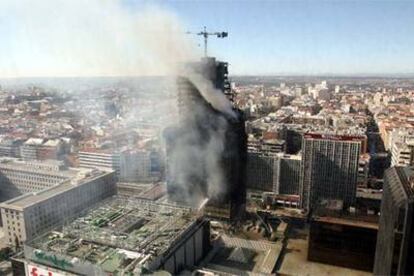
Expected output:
(51, 149)
(29, 149)
(31, 214)
(121, 236)
(289, 174)
(277, 173)
(10, 147)
(96, 158)
(208, 147)
(129, 165)
(19, 177)
(261, 171)
(39, 149)
(135, 166)
(394, 253)
(329, 168)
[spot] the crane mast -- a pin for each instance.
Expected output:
(206, 34)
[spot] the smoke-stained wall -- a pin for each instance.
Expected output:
(206, 152)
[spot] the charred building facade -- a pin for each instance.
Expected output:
(206, 152)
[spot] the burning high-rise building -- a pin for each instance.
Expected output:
(206, 152)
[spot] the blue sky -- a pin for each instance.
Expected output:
(100, 37)
(307, 37)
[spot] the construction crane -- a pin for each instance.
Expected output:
(206, 34)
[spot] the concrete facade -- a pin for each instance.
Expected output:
(31, 214)
(19, 177)
(100, 159)
(277, 173)
(329, 168)
(395, 243)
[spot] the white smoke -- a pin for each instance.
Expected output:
(195, 158)
(213, 153)
(212, 95)
(60, 38)
(55, 38)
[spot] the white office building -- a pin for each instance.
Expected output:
(96, 158)
(18, 177)
(29, 215)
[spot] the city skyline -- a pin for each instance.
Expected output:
(129, 147)
(166, 171)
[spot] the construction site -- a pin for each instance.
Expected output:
(123, 236)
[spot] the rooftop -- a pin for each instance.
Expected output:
(119, 234)
(52, 143)
(340, 217)
(50, 167)
(239, 256)
(34, 141)
(295, 262)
